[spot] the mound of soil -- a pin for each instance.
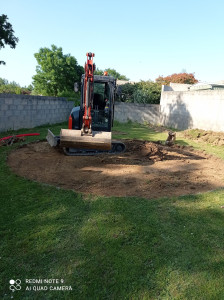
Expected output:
(214, 138)
(145, 149)
(146, 170)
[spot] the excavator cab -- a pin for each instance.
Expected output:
(102, 110)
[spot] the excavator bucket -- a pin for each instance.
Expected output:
(100, 140)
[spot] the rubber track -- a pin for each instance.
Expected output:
(117, 147)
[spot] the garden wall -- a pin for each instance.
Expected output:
(135, 112)
(181, 110)
(193, 109)
(25, 111)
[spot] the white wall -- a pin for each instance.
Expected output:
(137, 112)
(193, 109)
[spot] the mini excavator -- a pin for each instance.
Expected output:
(90, 124)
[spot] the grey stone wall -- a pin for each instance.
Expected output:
(193, 109)
(140, 113)
(182, 110)
(25, 111)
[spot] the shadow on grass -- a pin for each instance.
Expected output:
(111, 248)
(182, 142)
(139, 248)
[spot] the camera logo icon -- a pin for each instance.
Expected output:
(15, 285)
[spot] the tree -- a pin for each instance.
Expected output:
(177, 78)
(98, 72)
(6, 34)
(7, 87)
(115, 74)
(111, 72)
(56, 72)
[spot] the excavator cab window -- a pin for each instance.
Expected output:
(101, 92)
(101, 116)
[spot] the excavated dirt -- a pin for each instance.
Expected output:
(146, 170)
(210, 137)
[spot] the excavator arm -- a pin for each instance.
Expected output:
(88, 95)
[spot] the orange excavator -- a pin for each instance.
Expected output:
(90, 124)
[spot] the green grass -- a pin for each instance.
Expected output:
(137, 131)
(209, 148)
(41, 129)
(110, 247)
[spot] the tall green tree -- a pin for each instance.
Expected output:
(6, 34)
(115, 74)
(111, 72)
(56, 72)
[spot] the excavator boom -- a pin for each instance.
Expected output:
(88, 95)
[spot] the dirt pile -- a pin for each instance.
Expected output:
(144, 149)
(210, 137)
(146, 170)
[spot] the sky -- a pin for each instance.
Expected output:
(140, 39)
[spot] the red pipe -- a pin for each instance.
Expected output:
(18, 135)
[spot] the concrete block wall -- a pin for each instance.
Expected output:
(140, 113)
(193, 109)
(25, 111)
(181, 110)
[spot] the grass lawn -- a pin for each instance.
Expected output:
(109, 247)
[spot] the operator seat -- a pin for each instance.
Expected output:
(98, 101)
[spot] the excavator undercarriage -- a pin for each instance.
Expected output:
(55, 141)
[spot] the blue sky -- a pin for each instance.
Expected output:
(140, 39)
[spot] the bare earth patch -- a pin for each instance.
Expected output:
(146, 170)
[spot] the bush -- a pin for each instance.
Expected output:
(126, 92)
(150, 92)
(142, 92)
